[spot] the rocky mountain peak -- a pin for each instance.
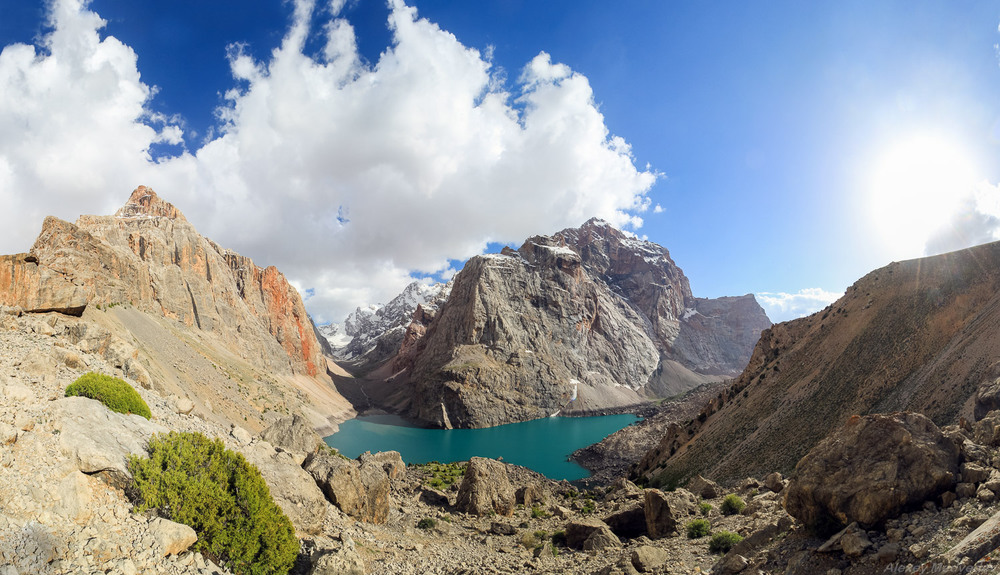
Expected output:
(144, 203)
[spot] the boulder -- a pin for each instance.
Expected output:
(986, 431)
(172, 538)
(97, 439)
(293, 434)
(628, 523)
(485, 488)
(390, 461)
(529, 495)
(646, 558)
(433, 497)
(774, 482)
(704, 488)
(345, 561)
(359, 490)
(590, 535)
(241, 435)
(293, 488)
(660, 518)
(869, 470)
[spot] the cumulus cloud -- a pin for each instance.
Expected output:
(349, 177)
(782, 306)
(977, 221)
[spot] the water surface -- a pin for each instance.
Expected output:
(542, 445)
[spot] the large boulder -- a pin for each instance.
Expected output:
(629, 522)
(293, 488)
(485, 488)
(661, 520)
(359, 490)
(294, 434)
(97, 439)
(870, 470)
(390, 461)
(590, 535)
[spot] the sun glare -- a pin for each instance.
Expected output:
(917, 186)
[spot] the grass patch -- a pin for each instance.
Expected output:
(426, 523)
(442, 476)
(112, 392)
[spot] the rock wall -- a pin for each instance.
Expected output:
(150, 256)
(587, 319)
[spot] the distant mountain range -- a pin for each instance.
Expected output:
(585, 320)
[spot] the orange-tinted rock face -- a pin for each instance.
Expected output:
(150, 256)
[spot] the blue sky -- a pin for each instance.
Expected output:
(783, 148)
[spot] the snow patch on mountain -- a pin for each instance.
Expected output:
(367, 325)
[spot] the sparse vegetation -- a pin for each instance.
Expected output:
(705, 507)
(588, 507)
(442, 475)
(559, 538)
(114, 393)
(698, 528)
(732, 504)
(538, 513)
(191, 479)
(426, 523)
(723, 541)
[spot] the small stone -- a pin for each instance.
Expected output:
(985, 495)
(734, 563)
(947, 499)
(774, 482)
(241, 435)
(888, 553)
(964, 490)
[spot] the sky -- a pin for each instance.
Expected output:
(783, 149)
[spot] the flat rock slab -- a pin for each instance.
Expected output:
(977, 544)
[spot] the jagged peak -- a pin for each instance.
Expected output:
(144, 203)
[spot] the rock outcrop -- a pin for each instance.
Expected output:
(917, 335)
(485, 489)
(360, 490)
(583, 320)
(146, 275)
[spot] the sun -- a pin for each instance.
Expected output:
(917, 186)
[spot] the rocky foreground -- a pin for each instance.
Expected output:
(895, 492)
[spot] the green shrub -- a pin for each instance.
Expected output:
(194, 480)
(111, 391)
(559, 538)
(588, 507)
(698, 528)
(723, 541)
(426, 523)
(705, 508)
(538, 513)
(732, 504)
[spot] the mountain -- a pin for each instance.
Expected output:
(376, 332)
(584, 320)
(204, 320)
(918, 335)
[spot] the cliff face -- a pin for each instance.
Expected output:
(586, 319)
(918, 335)
(147, 255)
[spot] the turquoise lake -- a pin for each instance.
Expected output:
(542, 445)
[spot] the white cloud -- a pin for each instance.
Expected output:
(782, 306)
(658, 209)
(424, 151)
(977, 221)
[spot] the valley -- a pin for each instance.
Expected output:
(860, 439)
